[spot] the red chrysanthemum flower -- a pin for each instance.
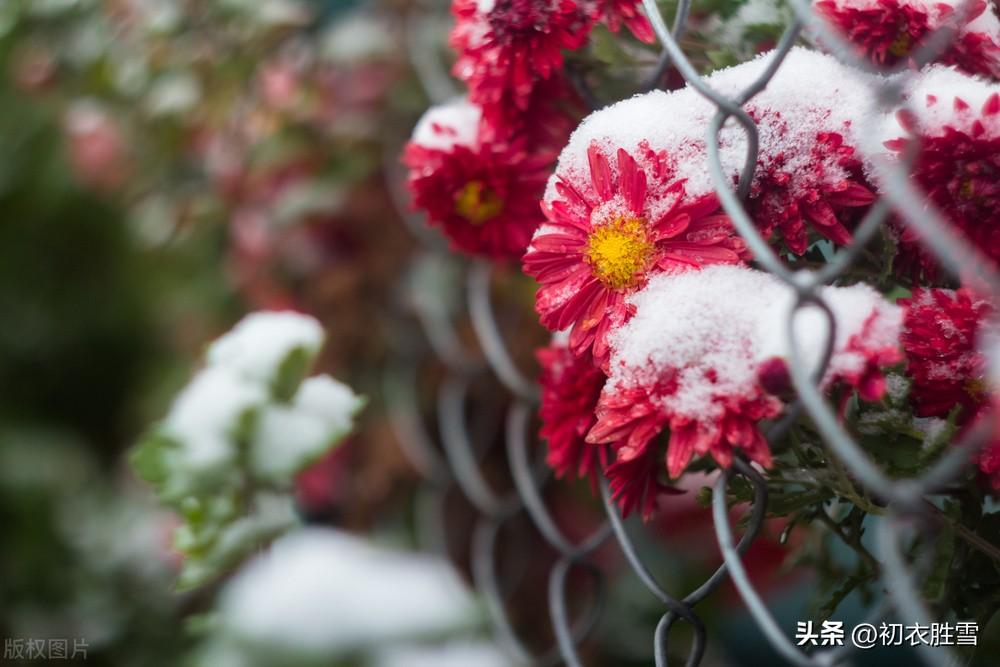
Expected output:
(976, 52)
(701, 354)
(604, 237)
(505, 47)
(888, 31)
(570, 387)
(958, 163)
(484, 196)
(884, 30)
(940, 338)
(826, 192)
(616, 12)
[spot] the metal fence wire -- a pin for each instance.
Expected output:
(456, 463)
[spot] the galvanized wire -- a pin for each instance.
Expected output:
(456, 461)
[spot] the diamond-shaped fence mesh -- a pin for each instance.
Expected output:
(454, 461)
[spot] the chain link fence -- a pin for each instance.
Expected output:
(456, 462)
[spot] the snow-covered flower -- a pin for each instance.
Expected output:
(321, 594)
(505, 47)
(888, 31)
(570, 386)
(609, 230)
(690, 360)
(944, 337)
(482, 194)
(956, 121)
(941, 339)
(819, 187)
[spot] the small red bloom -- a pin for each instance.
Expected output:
(616, 12)
(606, 235)
(505, 47)
(870, 354)
(889, 31)
(958, 167)
(827, 191)
(884, 30)
(484, 196)
(570, 386)
(940, 338)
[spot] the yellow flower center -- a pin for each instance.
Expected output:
(975, 387)
(965, 189)
(477, 203)
(901, 45)
(618, 251)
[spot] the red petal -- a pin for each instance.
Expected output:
(600, 173)
(680, 449)
(633, 182)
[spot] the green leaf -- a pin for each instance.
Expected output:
(148, 458)
(290, 373)
(606, 47)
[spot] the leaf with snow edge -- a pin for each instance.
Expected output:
(194, 449)
(225, 545)
(275, 349)
(290, 437)
(321, 593)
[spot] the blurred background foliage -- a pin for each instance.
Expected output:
(166, 166)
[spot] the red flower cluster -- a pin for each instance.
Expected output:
(570, 386)
(888, 31)
(606, 234)
(506, 48)
(942, 338)
(788, 199)
(696, 359)
(958, 163)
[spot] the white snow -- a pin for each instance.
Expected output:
(289, 437)
(789, 117)
(932, 98)
(452, 654)
(931, 103)
(205, 415)
(323, 592)
(259, 343)
(727, 320)
(442, 127)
